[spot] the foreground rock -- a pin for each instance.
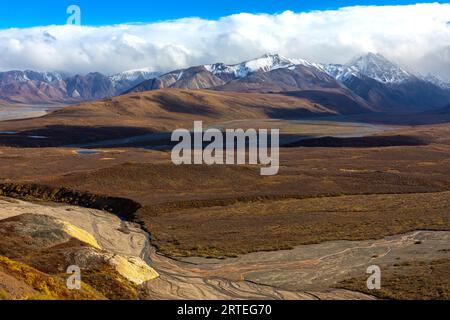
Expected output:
(47, 240)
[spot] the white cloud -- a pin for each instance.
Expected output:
(406, 34)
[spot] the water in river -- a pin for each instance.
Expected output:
(25, 112)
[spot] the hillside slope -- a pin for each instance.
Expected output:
(165, 110)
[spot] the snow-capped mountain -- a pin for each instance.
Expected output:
(377, 67)
(135, 75)
(123, 81)
(387, 86)
(373, 66)
(266, 63)
(221, 75)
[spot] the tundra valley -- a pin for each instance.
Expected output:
(361, 182)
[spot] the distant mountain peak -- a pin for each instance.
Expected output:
(387, 86)
(371, 65)
(376, 66)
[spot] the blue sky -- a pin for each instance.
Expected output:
(416, 36)
(28, 13)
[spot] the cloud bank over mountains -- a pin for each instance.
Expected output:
(416, 36)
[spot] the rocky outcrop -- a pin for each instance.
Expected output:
(111, 254)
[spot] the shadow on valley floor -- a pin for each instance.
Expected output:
(113, 137)
(359, 142)
(430, 117)
(59, 136)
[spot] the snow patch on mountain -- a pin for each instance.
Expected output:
(339, 72)
(436, 81)
(266, 63)
(28, 75)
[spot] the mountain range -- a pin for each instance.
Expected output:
(30, 87)
(368, 82)
(388, 87)
(253, 75)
